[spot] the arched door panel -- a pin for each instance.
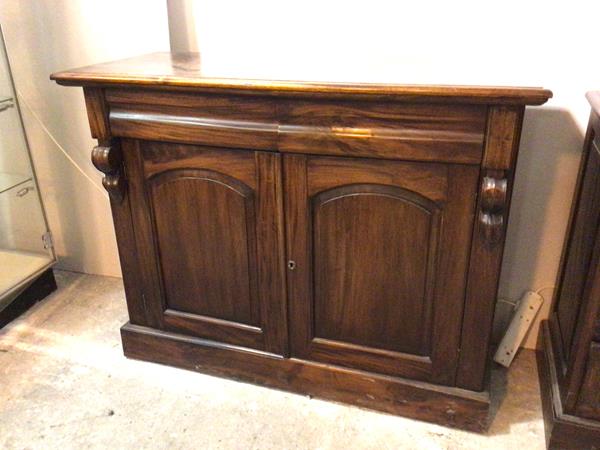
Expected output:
(213, 223)
(380, 251)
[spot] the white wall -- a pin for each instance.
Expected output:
(46, 36)
(536, 43)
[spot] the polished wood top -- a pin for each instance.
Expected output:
(184, 71)
(594, 99)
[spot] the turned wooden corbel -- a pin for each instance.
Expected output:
(108, 159)
(493, 207)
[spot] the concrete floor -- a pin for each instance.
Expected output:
(64, 384)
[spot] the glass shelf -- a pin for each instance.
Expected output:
(10, 181)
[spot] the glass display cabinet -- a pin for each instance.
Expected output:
(26, 253)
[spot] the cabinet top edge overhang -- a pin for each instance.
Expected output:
(184, 71)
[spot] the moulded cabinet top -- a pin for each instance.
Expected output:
(185, 71)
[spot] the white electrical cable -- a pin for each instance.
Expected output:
(69, 158)
(543, 289)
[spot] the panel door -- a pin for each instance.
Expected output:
(208, 226)
(377, 267)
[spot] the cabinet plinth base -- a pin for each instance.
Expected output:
(424, 401)
(563, 431)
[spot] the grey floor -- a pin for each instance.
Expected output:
(64, 384)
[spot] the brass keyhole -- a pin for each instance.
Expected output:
(291, 264)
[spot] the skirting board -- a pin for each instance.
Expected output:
(448, 406)
(563, 431)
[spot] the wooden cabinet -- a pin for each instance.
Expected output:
(569, 362)
(336, 240)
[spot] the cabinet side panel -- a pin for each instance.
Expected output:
(577, 260)
(588, 311)
(588, 307)
(121, 208)
(496, 181)
(588, 404)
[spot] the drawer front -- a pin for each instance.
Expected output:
(225, 121)
(417, 132)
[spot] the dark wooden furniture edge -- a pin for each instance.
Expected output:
(487, 245)
(121, 73)
(594, 99)
(443, 405)
(43, 286)
(563, 431)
